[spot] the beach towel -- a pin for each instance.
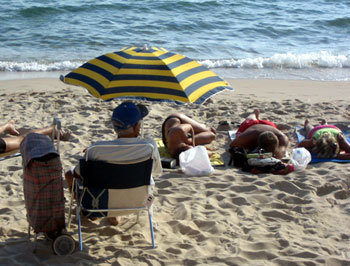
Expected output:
(300, 134)
(215, 159)
(9, 155)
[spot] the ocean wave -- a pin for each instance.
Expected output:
(7, 66)
(277, 61)
(285, 61)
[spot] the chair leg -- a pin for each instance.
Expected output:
(74, 189)
(79, 232)
(71, 204)
(151, 228)
(29, 232)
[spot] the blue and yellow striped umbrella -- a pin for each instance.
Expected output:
(147, 73)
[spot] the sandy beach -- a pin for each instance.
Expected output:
(228, 218)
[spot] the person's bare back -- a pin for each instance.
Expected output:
(249, 139)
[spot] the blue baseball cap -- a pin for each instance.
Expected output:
(127, 115)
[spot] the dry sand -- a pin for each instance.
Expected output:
(229, 218)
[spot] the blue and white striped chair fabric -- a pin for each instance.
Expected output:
(109, 189)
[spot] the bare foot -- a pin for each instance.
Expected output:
(257, 113)
(64, 134)
(11, 129)
(114, 220)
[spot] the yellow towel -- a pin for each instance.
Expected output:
(215, 159)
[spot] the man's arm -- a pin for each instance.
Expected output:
(157, 169)
(247, 140)
(344, 146)
(283, 145)
(343, 143)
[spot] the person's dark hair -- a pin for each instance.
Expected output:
(268, 141)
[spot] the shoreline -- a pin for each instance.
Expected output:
(267, 89)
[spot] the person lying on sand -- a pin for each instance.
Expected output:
(254, 133)
(180, 133)
(326, 141)
(8, 144)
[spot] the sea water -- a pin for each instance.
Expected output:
(292, 39)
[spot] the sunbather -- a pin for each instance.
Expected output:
(126, 121)
(254, 133)
(180, 133)
(8, 144)
(326, 141)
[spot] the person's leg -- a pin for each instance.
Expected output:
(13, 143)
(69, 176)
(204, 138)
(64, 135)
(9, 127)
(254, 116)
(307, 127)
(257, 113)
(252, 119)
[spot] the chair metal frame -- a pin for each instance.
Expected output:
(78, 189)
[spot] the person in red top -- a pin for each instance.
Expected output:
(254, 133)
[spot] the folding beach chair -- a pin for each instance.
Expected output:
(117, 182)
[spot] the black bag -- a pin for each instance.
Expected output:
(238, 157)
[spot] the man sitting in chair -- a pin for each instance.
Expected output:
(126, 120)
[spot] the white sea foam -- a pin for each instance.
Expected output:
(318, 66)
(285, 61)
(7, 66)
(277, 61)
